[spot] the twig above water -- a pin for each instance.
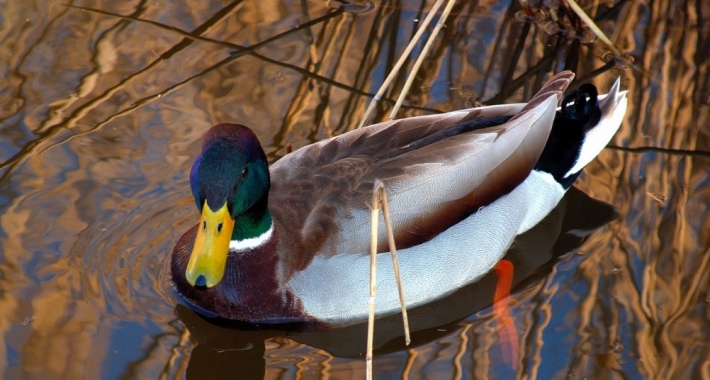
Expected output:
(645, 149)
(395, 70)
(420, 59)
(593, 27)
(379, 200)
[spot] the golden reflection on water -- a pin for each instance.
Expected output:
(100, 117)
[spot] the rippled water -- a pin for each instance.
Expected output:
(102, 112)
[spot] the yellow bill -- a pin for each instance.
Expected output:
(209, 255)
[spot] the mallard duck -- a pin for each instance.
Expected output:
(290, 243)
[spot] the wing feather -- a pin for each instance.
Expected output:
(322, 191)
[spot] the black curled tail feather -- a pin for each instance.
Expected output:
(578, 114)
(582, 105)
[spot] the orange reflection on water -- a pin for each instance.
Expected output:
(102, 115)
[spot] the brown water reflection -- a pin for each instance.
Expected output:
(101, 115)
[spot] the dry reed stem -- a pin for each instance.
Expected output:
(593, 27)
(395, 263)
(379, 199)
(400, 62)
(420, 59)
(373, 287)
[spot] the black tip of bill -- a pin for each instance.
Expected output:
(201, 282)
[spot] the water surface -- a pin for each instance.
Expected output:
(102, 113)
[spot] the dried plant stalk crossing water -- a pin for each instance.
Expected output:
(103, 107)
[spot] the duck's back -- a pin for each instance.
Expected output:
(437, 170)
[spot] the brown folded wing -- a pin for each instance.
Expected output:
(320, 194)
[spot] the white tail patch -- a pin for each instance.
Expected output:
(613, 107)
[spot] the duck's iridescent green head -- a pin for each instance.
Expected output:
(230, 184)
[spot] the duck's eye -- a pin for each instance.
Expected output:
(245, 171)
(219, 227)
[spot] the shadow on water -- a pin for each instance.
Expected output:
(103, 106)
